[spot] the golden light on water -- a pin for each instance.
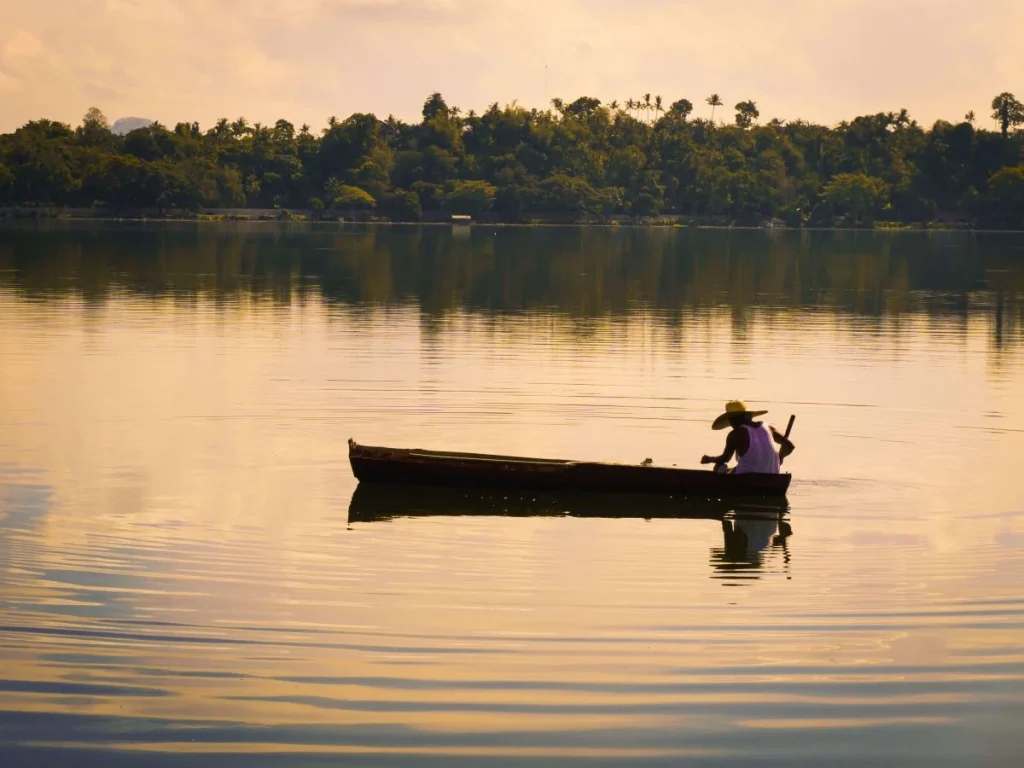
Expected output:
(176, 541)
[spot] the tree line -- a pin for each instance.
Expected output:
(577, 161)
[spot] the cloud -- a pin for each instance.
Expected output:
(307, 59)
(23, 45)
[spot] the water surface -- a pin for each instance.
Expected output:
(189, 579)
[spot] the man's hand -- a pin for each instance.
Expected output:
(707, 459)
(786, 444)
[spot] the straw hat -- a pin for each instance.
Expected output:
(734, 408)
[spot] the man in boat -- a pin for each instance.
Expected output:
(749, 441)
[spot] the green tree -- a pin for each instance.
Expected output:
(240, 128)
(681, 109)
(95, 130)
(221, 132)
(124, 182)
(1008, 111)
(746, 114)
(1004, 202)
(434, 107)
(645, 204)
(402, 206)
(856, 195)
(345, 146)
(41, 157)
(429, 195)
(339, 195)
(563, 194)
(6, 184)
(469, 197)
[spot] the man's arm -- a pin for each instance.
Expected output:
(731, 446)
(786, 444)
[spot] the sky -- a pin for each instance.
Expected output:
(305, 60)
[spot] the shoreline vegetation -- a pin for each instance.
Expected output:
(300, 216)
(641, 162)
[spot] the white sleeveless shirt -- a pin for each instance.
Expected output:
(760, 456)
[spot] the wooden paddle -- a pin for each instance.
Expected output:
(787, 446)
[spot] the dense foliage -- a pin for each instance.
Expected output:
(579, 160)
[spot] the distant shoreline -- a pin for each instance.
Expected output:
(292, 216)
(641, 163)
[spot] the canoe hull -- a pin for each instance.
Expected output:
(465, 470)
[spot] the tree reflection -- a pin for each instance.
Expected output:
(569, 273)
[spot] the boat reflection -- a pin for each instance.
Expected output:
(754, 531)
(374, 502)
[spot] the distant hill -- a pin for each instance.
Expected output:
(127, 124)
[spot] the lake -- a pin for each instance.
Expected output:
(188, 578)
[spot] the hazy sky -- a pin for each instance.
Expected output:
(304, 60)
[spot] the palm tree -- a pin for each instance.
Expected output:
(630, 104)
(222, 129)
(714, 100)
(969, 117)
(647, 102)
(657, 106)
(614, 107)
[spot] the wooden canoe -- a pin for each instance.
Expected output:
(477, 470)
(375, 502)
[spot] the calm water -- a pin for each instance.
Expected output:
(186, 578)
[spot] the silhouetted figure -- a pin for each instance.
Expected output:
(749, 441)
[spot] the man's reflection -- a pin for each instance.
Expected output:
(749, 542)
